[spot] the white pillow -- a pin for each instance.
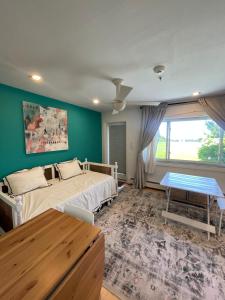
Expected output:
(6, 183)
(68, 169)
(25, 181)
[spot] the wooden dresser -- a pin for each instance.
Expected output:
(53, 256)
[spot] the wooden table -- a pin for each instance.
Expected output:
(53, 256)
(203, 185)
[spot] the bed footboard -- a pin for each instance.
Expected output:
(6, 221)
(101, 168)
(10, 211)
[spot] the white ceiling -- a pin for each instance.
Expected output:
(78, 46)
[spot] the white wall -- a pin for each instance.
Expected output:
(132, 117)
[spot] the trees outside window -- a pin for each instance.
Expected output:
(213, 147)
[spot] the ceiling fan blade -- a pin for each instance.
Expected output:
(123, 92)
(114, 112)
(119, 105)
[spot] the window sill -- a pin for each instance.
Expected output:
(191, 165)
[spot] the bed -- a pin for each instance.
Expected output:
(89, 190)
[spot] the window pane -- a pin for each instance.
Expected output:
(195, 140)
(223, 149)
(161, 146)
(212, 149)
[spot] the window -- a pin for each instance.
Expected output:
(195, 139)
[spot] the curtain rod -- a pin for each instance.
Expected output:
(175, 103)
(191, 101)
(184, 102)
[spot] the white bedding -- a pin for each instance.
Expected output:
(87, 191)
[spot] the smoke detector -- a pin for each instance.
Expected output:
(159, 70)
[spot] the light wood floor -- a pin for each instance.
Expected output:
(106, 295)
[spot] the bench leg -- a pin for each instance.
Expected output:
(220, 222)
(168, 191)
(208, 214)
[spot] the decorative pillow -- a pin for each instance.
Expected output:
(68, 169)
(26, 181)
(6, 182)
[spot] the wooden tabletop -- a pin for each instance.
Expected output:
(36, 255)
(198, 184)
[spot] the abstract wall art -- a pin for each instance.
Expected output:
(45, 128)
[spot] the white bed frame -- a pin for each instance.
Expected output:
(15, 203)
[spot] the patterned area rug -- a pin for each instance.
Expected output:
(146, 259)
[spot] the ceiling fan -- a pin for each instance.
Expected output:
(122, 92)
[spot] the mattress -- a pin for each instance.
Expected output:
(88, 191)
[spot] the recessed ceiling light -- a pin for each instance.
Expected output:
(196, 93)
(35, 77)
(95, 101)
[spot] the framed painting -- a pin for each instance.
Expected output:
(45, 128)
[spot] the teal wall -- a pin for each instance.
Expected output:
(84, 130)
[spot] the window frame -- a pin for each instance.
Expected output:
(180, 161)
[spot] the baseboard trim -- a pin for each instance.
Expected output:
(154, 185)
(151, 184)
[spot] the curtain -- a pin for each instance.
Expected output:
(149, 155)
(215, 109)
(152, 117)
